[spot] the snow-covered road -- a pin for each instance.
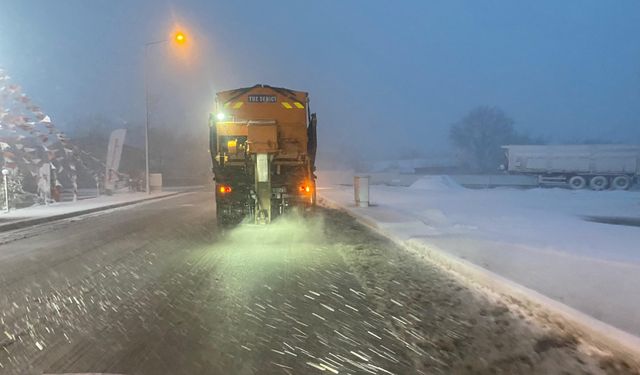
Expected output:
(157, 289)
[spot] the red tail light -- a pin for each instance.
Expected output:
(305, 189)
(224, 189)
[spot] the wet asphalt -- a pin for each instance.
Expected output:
(159, 288)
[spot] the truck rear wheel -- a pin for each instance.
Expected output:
(229, 214)
(577, 182)
(223, 215)
(621, 183)
(598, 183)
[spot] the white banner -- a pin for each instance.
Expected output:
(114, 153)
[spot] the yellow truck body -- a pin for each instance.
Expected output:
(263, 146)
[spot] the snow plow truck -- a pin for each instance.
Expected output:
(263, 148)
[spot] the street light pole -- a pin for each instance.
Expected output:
(146, 122)
(146, 115)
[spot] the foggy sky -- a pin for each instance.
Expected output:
(384, 76)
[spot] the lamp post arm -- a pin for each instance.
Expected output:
(155, 42)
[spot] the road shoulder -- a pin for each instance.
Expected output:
(45, 214)
(549, 311)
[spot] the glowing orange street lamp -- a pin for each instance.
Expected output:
(180, 38)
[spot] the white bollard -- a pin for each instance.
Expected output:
(155, 182)
(361, 190)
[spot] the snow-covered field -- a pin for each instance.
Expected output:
(536, 237)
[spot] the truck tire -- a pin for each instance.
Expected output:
(598, 183)
(577, 182)
(228, 215)
(223, 216)
(621, 182)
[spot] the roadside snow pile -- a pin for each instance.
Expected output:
(537, 238)
(436, 183)
(433, 216)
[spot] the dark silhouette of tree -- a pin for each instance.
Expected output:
(480, 135)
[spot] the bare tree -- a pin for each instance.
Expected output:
(479, 135)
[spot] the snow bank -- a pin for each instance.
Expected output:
(537, 238)
(436, 183)
(62, 208)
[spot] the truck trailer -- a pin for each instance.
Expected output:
(263, 147)
(597, 166)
